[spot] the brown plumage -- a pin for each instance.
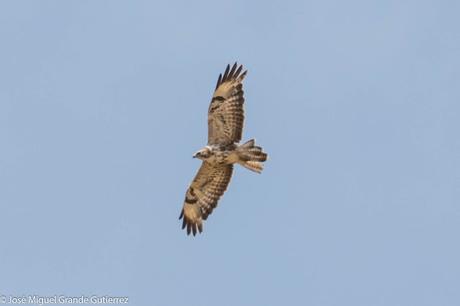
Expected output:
(226, 114)
(201, 198)
(225, 128)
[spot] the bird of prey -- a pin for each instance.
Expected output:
(225, 128)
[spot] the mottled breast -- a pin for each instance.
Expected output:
(220, 155)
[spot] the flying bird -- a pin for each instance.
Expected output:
(225, 128)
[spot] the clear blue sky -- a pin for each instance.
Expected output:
(102, 104)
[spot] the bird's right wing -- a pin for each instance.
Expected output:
(203, 194)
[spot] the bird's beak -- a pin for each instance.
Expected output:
(195, 155)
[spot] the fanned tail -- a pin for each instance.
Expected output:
(252, 156)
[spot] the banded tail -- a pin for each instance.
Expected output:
(251, 156)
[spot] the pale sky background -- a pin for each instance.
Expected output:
(103, 103)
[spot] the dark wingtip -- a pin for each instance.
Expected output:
(219, 80)
(232, 72)
(194, 229)
(237, 73)
(224, 78)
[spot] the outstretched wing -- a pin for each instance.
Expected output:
(226, 114)
(203, 194)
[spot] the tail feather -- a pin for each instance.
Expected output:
(248, 144)
(252, 156)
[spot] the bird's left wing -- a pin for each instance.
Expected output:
(203, 194)
(226, 113)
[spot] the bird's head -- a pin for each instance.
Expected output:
(203, 154)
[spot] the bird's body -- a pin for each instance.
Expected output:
(219, 154)
(225, 126)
